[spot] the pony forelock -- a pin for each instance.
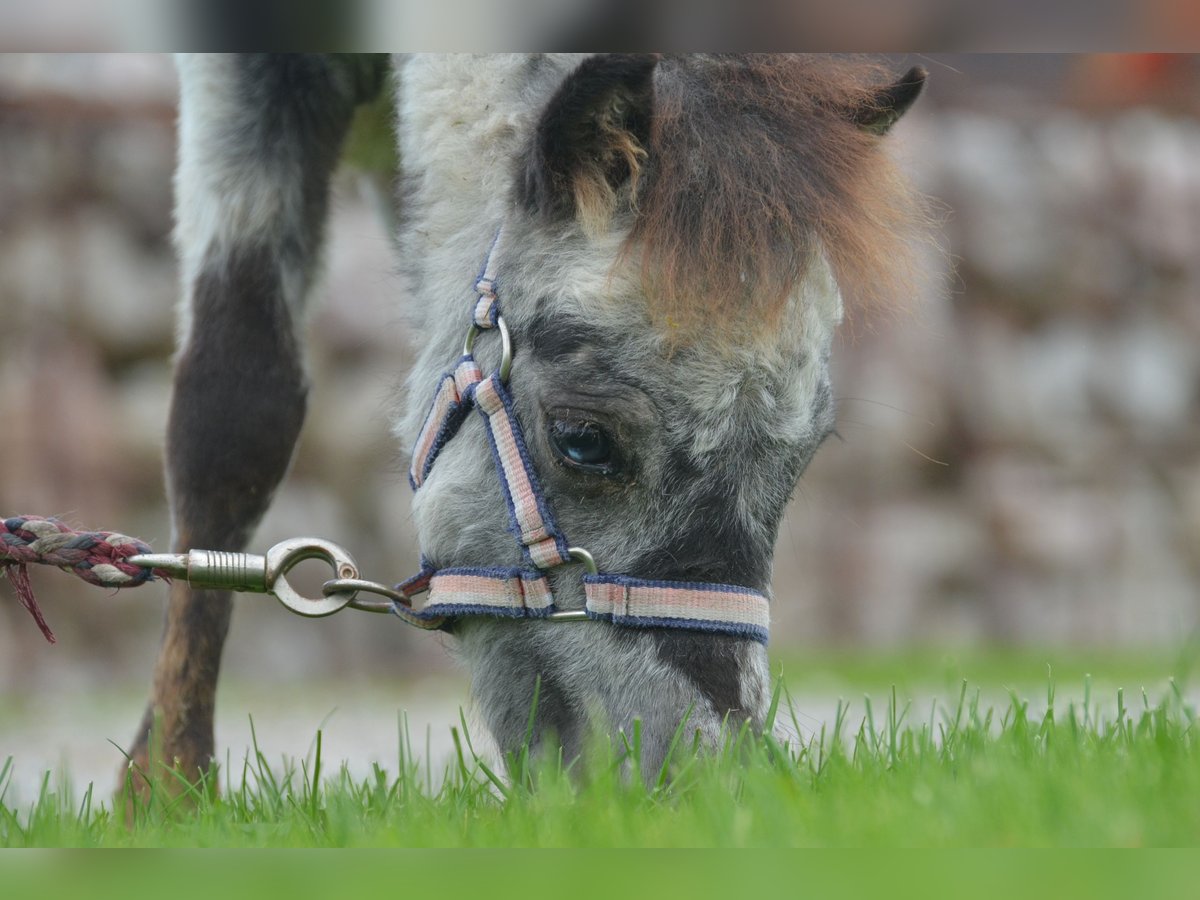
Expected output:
(755, 169)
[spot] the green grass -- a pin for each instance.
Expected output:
(958, 772)
(1023, 668)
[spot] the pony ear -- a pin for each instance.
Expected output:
(591, 139)
(883, 110)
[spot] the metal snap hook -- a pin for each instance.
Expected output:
(248, 572)
(506, 349)
(283, 556)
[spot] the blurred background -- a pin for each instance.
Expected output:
(1019, 460)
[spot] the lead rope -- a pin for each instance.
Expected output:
(108, 559)
(98, 557)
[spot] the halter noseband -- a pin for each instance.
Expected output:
(524, 591)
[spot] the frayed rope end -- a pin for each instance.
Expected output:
(19, 576)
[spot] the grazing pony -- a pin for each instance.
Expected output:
(663, 243)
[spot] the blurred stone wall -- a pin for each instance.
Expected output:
(1018, 459)
(1021, 452)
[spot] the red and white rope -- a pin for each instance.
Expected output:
(98, 557)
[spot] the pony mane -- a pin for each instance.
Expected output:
(755, 165)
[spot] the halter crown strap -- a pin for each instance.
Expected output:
(524, 592)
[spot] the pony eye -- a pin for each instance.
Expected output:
(584, 446)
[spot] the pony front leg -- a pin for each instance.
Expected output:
(259, 138)
(236, 411)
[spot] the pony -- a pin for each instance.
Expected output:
(680, 235)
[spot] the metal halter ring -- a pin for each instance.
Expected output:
(356, 585)
(575, 615)
(582, 556)
(506, 350)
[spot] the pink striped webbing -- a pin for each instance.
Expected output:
(509, 592)
(632, 602)
(702, 606)
(451, 402)
(528, 513)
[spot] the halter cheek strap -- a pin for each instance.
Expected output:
(524, 592)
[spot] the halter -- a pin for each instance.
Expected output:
(524, 591)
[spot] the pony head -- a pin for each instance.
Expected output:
(678, 238)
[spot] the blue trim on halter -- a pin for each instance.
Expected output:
(453, 610)
(493, 316)
(421, 614)
(730, 629)
(456, 414)
(514, 526)
(543, 504)
(496, 573)
(714, 587)
(519, 439)
(506, 572)
(487, 259)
